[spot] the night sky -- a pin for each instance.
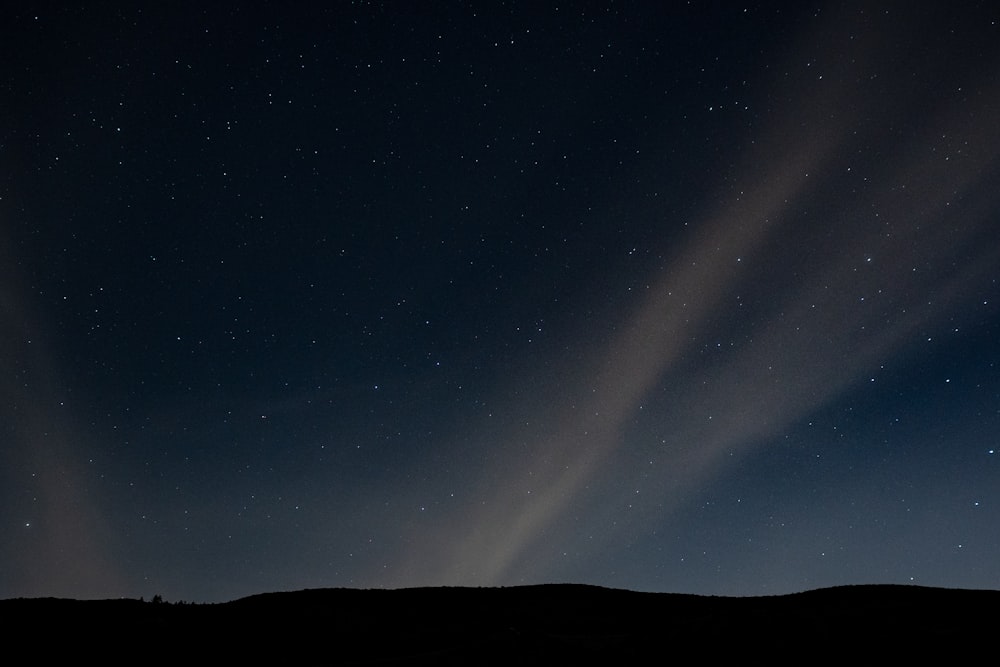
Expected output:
(673, 297)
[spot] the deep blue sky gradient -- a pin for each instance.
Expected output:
(672, 297)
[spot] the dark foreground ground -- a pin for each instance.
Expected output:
(552, 624)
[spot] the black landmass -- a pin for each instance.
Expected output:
(545, 624)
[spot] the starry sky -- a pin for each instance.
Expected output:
(684, 297)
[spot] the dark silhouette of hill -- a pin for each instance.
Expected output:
(546, 624)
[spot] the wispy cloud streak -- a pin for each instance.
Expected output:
(868, 283)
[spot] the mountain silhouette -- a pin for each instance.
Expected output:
(543, 624)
